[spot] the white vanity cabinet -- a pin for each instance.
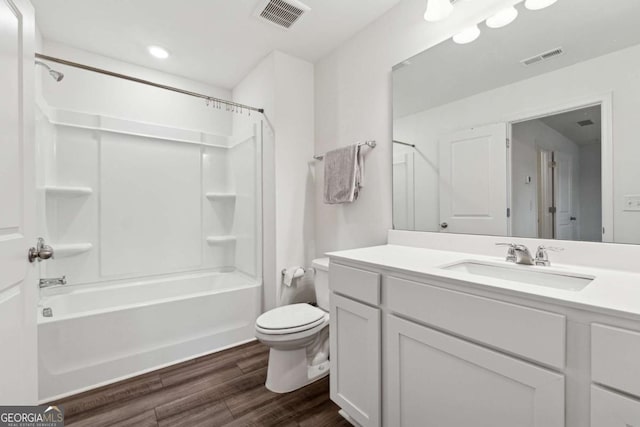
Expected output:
(411, 349)
(355, 344)
(611, 409)
(615, 364)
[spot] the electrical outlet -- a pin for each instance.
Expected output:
(632, 203)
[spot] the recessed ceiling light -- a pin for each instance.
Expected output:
(437, 10)
(503, 18)
(158, 52)
(538, 4)
(467, 35)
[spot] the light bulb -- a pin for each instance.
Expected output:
(538, 4)
(158, 52)
(502, 18)
(467, 35)
(437, 10)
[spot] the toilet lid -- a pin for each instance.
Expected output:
(291, 316)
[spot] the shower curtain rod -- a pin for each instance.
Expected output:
(208, 98)
(404, 143)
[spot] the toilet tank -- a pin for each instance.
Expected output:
(321, 282)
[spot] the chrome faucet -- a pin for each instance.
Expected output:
(54, 281)
(518, 253)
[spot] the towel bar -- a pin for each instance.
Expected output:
(371, 144)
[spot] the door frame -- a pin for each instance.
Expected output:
(605, 101)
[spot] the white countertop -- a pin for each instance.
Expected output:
(612, 292)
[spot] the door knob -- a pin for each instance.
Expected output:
(40, 252)
(444, 225)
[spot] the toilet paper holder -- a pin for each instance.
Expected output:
(305, 269)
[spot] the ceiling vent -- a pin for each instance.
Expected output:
(543, 56)
(584, 123)
(281, 13)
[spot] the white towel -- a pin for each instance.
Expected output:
(290, 274)
(342, 175)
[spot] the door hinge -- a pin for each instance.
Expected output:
(508, 212)
(508, 143)
(552, 209)
(552, 164)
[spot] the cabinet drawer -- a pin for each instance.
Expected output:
(535, 334)
(609, 409)
(359, 284)
(615, 358)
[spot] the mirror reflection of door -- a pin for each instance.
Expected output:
(403, 191)
(556, 176)
(473, 181)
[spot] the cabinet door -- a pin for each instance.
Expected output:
(355, 359)
(609, 409)
(434, 379)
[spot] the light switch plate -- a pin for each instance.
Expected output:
(632, 203)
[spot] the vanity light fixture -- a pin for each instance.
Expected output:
(467, 35)
(437, 10)
(503, 18)
(538, 4)
(158, 52)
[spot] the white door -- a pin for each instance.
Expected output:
(473, 181)
(436, 380)
(18, 289)
(563, 195)
(355, 359)
(403, 192)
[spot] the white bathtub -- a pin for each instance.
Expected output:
(102, 334)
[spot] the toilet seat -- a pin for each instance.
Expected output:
(290, 319)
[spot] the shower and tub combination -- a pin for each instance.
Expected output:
(150, 199)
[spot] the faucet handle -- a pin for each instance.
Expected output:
(511, 252)
(541, 254)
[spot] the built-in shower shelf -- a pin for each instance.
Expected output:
(217, 240)
(65, 191)
(221, 196)
(64, 250)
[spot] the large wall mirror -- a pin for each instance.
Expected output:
(532, 130)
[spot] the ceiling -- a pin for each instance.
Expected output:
(213, 41)
(447, 72)
(567, 125)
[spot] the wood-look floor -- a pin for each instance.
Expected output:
(221, 389)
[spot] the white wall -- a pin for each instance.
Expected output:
(353, 103)
(283, 86)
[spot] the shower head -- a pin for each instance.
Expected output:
(57, 75)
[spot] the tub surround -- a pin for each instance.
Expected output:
(99, 334)
(429, 338)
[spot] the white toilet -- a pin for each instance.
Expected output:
(298, 335)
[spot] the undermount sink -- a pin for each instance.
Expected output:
(524, 274)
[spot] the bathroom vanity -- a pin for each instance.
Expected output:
(426, 337)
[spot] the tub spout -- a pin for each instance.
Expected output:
(55, 281)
